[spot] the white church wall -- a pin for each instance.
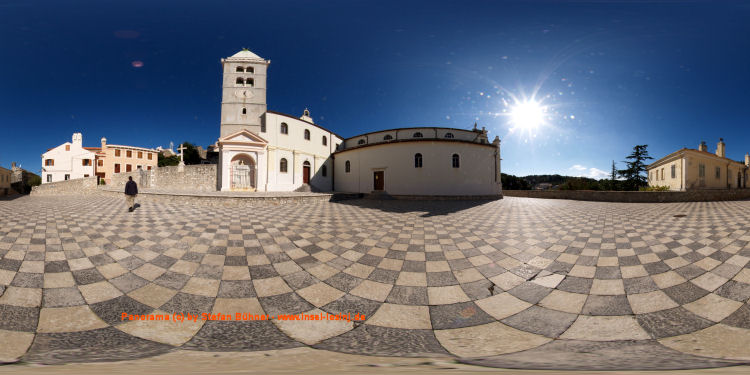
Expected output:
(476, 174)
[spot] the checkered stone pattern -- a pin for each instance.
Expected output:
(465, 279)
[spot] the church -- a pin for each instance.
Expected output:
(262, 150)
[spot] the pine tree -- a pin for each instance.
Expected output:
(635, 167)
(614, 172)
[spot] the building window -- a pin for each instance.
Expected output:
(718, 173)
(662, 174)
(148, 168)
(67, 177)
(455, 161)
(284, 128)
(85, 175)
(128, 167)
(448, 135)
(86, 162)
(140, 155)
(240, 69)
(282, 165)
(67, 147)
(49, 163)
(307, 134)
(49, 178)
(701, 170)
(250, 69)
(347, 167)
(117, 168)
(150, 155)
(361, 142)
(417, 135)
(249, 82)
(674, 171)
(117, 152)
(417, 160)
(244, 111)
(387, 137)
(240, 81)
(323, 171)
(263, 127)
(129, 153)
(325, 141)
(100, 162)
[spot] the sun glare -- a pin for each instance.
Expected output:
(527, 114)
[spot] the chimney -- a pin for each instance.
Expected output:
(703, 147)
(13, 164)
(77, 139)
(104, 143)
(721, 148)
(747, 160)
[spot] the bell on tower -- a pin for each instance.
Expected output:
(306, 116)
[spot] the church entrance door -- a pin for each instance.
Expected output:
(306, 172)
(242, 173)
(379, 181)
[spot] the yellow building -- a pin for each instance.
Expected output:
(111, 159)
(690, 169)
(5, 181)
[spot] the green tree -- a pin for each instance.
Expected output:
(636, 167)
(192, 156)
(511, 182)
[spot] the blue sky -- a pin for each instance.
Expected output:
(611, 74)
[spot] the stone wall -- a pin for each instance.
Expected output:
(192, 178)
(634, 196)
(78, 186)
(219, 200)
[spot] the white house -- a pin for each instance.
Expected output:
(262, 150)
(68, 161)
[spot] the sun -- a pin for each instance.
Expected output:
(527, 114)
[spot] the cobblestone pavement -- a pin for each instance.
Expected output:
(517, 283)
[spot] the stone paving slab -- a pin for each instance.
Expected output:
(588, 281)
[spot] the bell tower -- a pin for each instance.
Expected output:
(243, 94)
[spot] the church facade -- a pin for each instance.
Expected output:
(262, 150)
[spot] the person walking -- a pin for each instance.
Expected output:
(131, 190)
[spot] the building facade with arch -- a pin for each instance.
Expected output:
(262, 150)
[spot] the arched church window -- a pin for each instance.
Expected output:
(284, 128)
(240, 81)
(448, 135)
(417, 135)
(250, 69)
(307, 134)
(325, 141)
(323, 171)
(455, 161)
(282, 165)
(244, 111)
(240, 69)
(306, 163)
(361, 142)
(417, 160)
(249, 82)
(347, 167)
(387, 137)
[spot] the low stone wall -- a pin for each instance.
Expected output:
(192, 178)
(78, 186)
(634, 196)
(218, 200)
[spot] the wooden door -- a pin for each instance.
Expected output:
(379, 182)
(306, 174)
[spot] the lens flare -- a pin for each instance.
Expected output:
(527, 114)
